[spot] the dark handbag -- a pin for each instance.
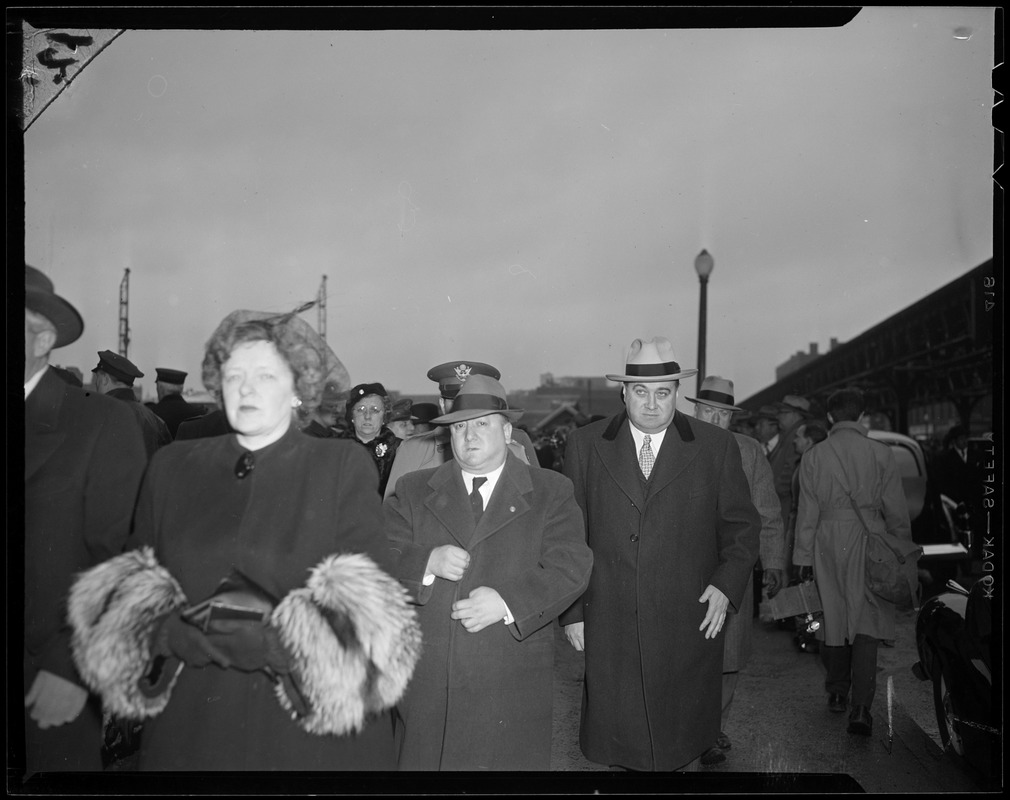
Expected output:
(237, 600)
(892, 564)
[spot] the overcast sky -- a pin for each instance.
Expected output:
(533, 199)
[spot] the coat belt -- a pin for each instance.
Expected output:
(839, 514)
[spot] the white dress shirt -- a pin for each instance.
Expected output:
(33, 381)
(639, 437)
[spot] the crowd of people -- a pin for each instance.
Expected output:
(315, 577)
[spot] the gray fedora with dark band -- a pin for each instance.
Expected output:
(717, 392)
(478, 397)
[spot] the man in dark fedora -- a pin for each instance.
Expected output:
(766, 428)
(114, 376)
(84, 458)
(492, 551)
(715, 405)
(171, 405)
(432, 449)
(422, 414)
(675, 537)
(790, 412)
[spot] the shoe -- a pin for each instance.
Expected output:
(860, 721)
(722, 741)
(713, 755)
(837, 703)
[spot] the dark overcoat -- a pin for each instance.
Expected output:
(785, 460)
(174, 409)
(304, 499)
(154, 428)
(84, 460)
(482, 700)
(653, 683)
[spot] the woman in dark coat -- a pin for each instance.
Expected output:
(367, 412)
(292, 516)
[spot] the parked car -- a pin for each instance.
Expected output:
(955, 645)
(939, 524)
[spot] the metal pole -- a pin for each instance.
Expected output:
(703, 279)
(321, 297)
(124, 314)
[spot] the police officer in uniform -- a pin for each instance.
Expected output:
(435, 448)
(114, 376)
(171, 406)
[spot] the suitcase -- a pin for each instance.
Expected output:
(796, 601)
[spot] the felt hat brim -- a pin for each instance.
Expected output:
(68, 323)
(714, 404)
(675, 376)
(511, 414)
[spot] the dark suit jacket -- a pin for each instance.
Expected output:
(653, 682)
(153, 427)
(174, 409)
(84, 460)
(214, 423)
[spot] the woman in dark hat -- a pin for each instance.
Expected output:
(254, 627)
(367, 414)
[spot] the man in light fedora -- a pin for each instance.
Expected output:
(84, 457)
(674, 536)
(492, 550)
(715, 404)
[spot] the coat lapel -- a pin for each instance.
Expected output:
(42, 415)
(678, 451)
(449, 504)
(508, 501)
(617, 453)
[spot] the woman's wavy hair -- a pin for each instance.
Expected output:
(303, 350)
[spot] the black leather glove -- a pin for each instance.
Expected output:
(173, 636)
(251, 646)
(806, 574)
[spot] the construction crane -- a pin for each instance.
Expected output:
(321, 300)
(124, 314)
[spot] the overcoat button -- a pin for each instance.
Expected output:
(634, 537)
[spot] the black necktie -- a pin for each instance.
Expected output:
(476, 501)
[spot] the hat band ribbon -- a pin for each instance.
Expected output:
(481, 402)
(718, 397)
(648, 370)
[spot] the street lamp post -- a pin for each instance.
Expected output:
(703, 265)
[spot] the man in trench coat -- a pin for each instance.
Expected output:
(831, 547)
(674, 545)
(489, 585)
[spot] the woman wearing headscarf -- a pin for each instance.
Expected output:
(253, 625)
(368, 410)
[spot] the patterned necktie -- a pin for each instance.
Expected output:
(646, 460)
(476, 501)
